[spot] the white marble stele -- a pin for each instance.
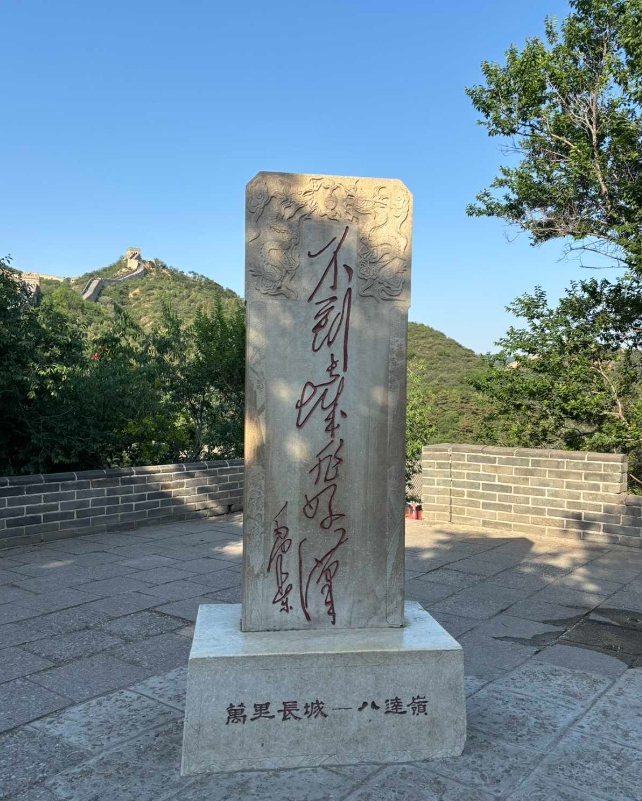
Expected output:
(259, 700)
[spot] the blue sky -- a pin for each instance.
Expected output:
(139, 122)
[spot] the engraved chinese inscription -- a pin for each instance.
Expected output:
(325, 399)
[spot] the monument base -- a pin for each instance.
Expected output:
(286, 699)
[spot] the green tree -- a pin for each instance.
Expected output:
(40, 351)
(570, 110)
(419, 427)
(572, 377)
(202, 370)
(70, 399)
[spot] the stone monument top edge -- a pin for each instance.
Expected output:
(262, 174)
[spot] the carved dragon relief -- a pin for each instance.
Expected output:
(382, 215)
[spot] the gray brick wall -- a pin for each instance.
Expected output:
(45, 507)
(532, 491)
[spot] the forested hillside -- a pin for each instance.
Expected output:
(153, 372)
(142, 298)
(444, 367)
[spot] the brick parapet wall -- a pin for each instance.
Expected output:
(532, 491)
(50, 506)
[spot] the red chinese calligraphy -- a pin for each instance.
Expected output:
(281, 546)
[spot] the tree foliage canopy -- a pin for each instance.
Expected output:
(570, 107)
(572, 377)
(74, 395)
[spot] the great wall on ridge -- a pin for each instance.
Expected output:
(93, 287)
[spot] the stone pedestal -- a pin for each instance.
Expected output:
(258, 700)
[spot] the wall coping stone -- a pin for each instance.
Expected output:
(546, 453)
(116, 472)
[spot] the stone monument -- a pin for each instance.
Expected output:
(322, 664)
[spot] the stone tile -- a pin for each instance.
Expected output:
(185, 610)
(557, 594)
(230, 551)
(205, 565)
(585, 580)
(605, 637)
(138, 550)
(44, 568)
(164, 575)
(538, 789)
(451, 576)
(303, 784)
(141, 625)
(116, 586)
(144, 769)
(14, 662)
(94, 558)
(356, 773)
(454, 624)
(569, 558)
(10, 613)
(89, 677)
(9, 594)
(6, 562)
(66, 620)
(229, 596)
(545, 613)
(596, 766)
(159, 654)
(413, 782)
(625, 599)
(482, 671)
(148, 562)
(421, 564)
(573, 688)
(8, 577)
(575, 658)
(75, 545)
(526, 632)
(22, 701)
(519, 580)
(35, 793)
(59, 563)
(219, 580)
(518, 719)
(21, 632)
(72, 576)
(170, 688)
(29, 756)
(75, 645)
(473, 684)
(482, 601)
(31, 553)
(489, 764)
(617, 716)
(495, 653)
(427, 593)
(105, 722)
(544, 571)
(120, 605)
(176, 551)
(58, 599)
(175, 591)
(154, 533)
(478, 566)
(633, 586)
(617, 617)
(114, 540)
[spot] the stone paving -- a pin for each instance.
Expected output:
(95, 633)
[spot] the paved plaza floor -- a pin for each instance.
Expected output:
(95, 634)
